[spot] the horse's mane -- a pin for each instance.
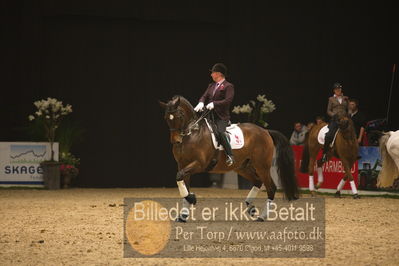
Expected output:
(349, 132)
(185, 103)
(383, 141)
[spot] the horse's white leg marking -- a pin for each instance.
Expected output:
(353, 187)
(265, 212)
(252, 195)
(311, 183)
(341, 184)
(320, 176)
(182, 188)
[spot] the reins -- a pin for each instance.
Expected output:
(191, 125)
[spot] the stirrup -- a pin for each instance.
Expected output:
(229, 160)
(324, 158)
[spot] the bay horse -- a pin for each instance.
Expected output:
(194, 153)
(345, 148)
(389, 150)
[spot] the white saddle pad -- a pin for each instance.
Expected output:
(236, 137)
(322, 134)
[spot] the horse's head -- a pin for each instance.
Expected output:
(343, 121)
(178, 113)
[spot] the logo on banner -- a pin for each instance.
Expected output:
(25, 159)
(27, 153)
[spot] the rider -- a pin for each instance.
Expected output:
(337, 104)
(218, 96)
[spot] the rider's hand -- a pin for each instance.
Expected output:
(199, 107)
(210, 106)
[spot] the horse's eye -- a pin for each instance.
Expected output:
(171, 117)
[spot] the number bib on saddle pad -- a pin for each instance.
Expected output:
(322, 134)
(236, 137)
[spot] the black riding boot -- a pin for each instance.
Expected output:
(221, 128)
(328, 139)
(326, 149)
(227, 148)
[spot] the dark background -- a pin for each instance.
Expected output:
(112, 60)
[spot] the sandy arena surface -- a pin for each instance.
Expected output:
(79, 227)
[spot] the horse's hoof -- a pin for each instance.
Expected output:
(251, 211)
(356, 196)
(260, 219)
(180, 220)
(191, 198)
(313, 194)
(318, 185)
(337, 194)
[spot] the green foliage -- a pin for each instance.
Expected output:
(69, 159)
(68, 134)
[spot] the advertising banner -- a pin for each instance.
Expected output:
(20, 162)
(369, 167)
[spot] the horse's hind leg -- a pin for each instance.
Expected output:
(250, 174)
(348, 173)
(340, 186)
(320, 177)
(264, 174)
(312, 158)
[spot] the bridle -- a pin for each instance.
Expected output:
(191, 125)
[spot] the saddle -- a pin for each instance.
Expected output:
(233, 132)
(321, 137)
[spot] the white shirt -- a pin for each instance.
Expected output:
(339, 98)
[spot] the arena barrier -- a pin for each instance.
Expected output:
(20, 162)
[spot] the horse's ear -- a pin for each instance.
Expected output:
(162, 104)
(176, 102)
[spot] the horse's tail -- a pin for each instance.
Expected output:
(305, 155)
(389, 169)
(285, 165)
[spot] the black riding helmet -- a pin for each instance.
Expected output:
(219, 67)
(337, 85)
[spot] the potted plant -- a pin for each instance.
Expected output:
(49, 113)
(68, 168)
(255, 112)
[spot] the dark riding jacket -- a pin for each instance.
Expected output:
(221, 99)
(334, 106)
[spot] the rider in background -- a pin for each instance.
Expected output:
(218, 97)
(337, 104)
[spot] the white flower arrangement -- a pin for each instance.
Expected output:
(256, 110)
(50, 112)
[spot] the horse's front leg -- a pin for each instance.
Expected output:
(250, 174)
(320, 177)
(348, 173)
(182, 180)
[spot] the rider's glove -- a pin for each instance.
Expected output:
(199, 107)
(210, 106)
